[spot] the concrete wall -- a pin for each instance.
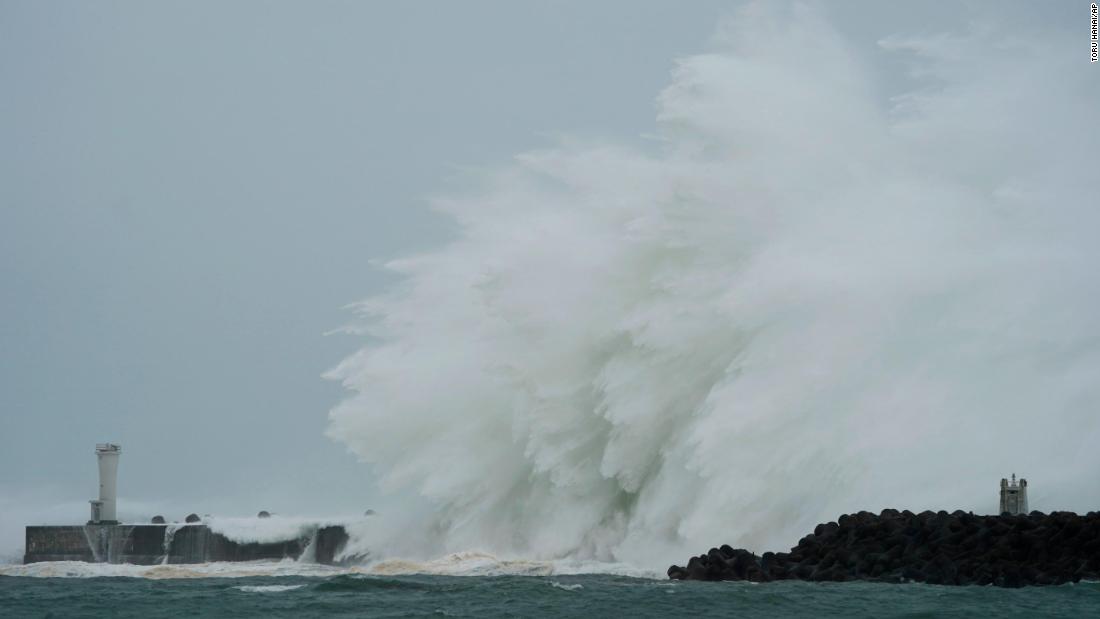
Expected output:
(328, 543)
(149, 544)
(58, 544)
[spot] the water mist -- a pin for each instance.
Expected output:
(807, 298)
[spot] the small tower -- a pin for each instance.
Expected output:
(103, 509)
(1013, 496)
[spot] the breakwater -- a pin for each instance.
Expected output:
(932, 547)
(150, 544)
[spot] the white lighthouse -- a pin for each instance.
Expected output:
(103, 509)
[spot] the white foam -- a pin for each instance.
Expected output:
(80, 569)
(268, 588)
(475, 563)
(275, 528)
(456, 564)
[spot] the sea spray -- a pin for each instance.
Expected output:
(169, 535)
(107, 543)
(808, 301)
(95, 537)
(276, 528)
(309, 553)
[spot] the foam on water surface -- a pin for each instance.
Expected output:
(267, 588)
(456, 564)
(484, 564)
(79, 569)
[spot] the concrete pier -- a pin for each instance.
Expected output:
(150, 544)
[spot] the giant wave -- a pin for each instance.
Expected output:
(810, 296)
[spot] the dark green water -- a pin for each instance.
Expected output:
(526, 596)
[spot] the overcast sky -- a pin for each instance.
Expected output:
(191, 193)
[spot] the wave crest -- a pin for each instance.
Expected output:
(806, 302)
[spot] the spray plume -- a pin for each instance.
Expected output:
(807, 300)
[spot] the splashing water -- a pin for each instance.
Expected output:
(457, 564)
(808, 301)
(169, 535)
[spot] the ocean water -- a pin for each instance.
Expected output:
(599, 595)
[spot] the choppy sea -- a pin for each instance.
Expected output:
(285, 590)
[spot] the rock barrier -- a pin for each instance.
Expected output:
(940, 548)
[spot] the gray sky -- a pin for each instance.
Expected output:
(190, 193)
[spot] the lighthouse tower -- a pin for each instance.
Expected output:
(1013, 496)
(103, 509)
